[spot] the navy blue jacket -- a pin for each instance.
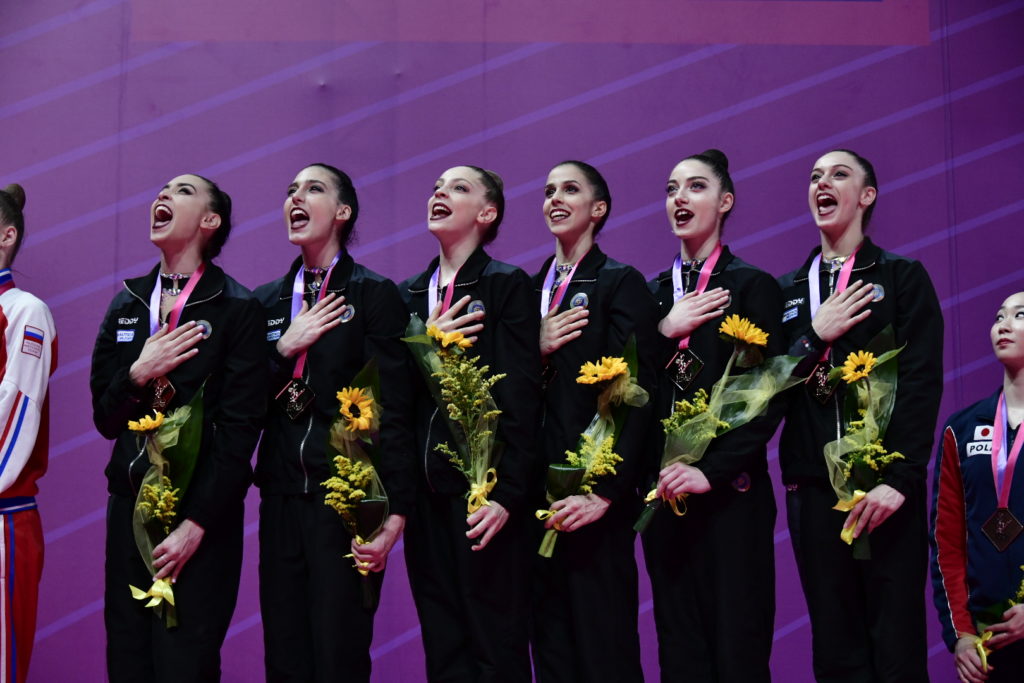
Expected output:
(968, 572)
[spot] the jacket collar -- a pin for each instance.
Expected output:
(340, 276)
(593, 261)
(723, 262)
(210, 285)
(866, 258)
(468, 274)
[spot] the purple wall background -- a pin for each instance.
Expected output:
(96, 115)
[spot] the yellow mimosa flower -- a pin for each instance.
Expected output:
(147, 423)
(743, 331)
(858, 364)
(358, 407)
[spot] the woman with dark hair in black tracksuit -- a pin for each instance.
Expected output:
(585, 602)
(325, 319)
(867, 616)
(138, 358)
(470, 576)
(713, 569)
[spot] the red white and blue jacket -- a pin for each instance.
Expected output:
(29, 351)
(968, 573)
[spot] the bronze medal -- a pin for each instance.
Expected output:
(684, 368)
(163, 392)
(818, 383)
(295, 397)
(1002, 528)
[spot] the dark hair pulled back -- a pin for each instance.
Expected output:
(220, 204)
(494, 192)
(869, 181)
(12, 202)
(346, 195)
(598, 186)
(716, 160)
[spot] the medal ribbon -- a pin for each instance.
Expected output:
(1003, 464)
(814, 285)
(298, 289)
(702, 280)
(179, 305)
(432, 292)
(549, 303)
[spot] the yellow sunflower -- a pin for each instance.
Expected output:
(358, 407)
(447, 339)
(743, 331)
(147, 423)
(858, 364)
(609, 368)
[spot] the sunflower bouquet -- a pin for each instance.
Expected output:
(461, 387)
(734, 401)
(594, 455)
(356, 491)
(171, 443)
(857, 461)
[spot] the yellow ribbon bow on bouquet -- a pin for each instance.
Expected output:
(478, 492)
(673, 503)
(979, 644)
(157, 593)
(845, 506)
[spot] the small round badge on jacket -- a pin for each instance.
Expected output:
(206, 327)
(475, 306)
(581, 300)
(742, 482)
(347, 313)
(877, 292)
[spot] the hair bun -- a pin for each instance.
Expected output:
(17, 193)
(718, 157)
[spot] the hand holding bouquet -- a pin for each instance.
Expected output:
(857, 461)
(462, 390)
(734, 401)
(171, 444)
(356, 491)
(594, 455)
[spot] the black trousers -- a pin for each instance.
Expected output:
(1007, 664)
(585, 604)
(315, 627)
(867, 616)
(139, 646)
(713, 577)
(473, 606)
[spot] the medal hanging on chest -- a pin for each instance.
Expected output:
(685, 365)
(818, 384)
(296, 395)
(684, 368)
(1003, 527)
(163, 392)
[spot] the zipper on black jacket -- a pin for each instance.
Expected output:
(426, 451)
(131, 484)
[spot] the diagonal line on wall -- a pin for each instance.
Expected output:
(715, 117)
(134, 132)
(59, 21)
(295, 138)
(94, 78)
